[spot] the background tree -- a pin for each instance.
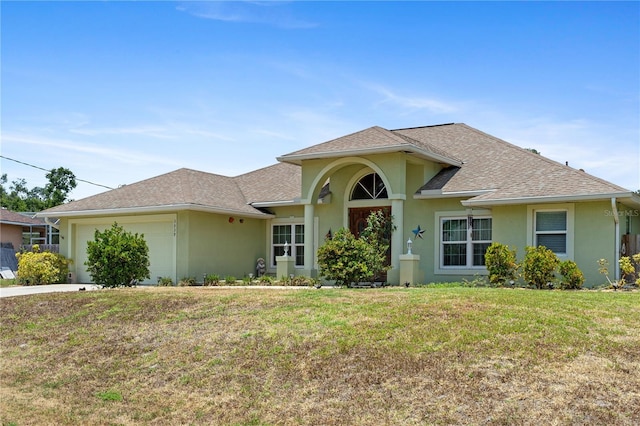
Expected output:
(20, 198)
(117, 258)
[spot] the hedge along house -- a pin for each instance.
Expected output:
(450, 188)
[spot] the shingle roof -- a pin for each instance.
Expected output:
(372, 140)
(508, 171)
(15, 218)
(488, 168)
(192, 189)
(279, 182)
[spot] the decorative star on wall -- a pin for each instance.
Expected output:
(418, 232)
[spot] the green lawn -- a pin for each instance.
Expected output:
(395, 356)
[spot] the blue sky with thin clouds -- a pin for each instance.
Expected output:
(123, 91)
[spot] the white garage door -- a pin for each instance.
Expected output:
(159, 233)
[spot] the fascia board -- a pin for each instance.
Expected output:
(154, 209)
(437, 193)
(546, 199)
(297, 159)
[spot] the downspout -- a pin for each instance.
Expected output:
(616, 253)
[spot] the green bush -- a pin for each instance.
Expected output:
(349, 260)
(539, 266)
(165, 281)
(117, 258)
(230, 280)
(501, 264)
(211, 279)
(346, 259)
(572, 277)
(187, 282)
(266, 280)
(37, 267)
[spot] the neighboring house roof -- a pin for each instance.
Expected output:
(9, 217)
(187, 189)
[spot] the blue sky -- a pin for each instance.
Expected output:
(123, 91)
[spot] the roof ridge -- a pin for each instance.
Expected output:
(424, 127)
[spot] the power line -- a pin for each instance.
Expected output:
(40, 168)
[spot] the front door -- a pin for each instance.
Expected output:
(358, 221)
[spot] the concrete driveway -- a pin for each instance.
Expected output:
(37, 289)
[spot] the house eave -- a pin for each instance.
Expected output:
(438, 193)
(409, 149)
(621, 196)
(267, 204)
(154, 209)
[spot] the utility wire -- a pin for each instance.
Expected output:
(40, 168)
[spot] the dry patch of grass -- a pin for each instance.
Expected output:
(331, 357)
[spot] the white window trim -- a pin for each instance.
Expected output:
(439, 268)
(292, 251)
(531, 225)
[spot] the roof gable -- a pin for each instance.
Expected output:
(374, 140)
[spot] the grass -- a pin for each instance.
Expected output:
(7, 282)
(321, 357)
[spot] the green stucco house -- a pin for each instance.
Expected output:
(450, 188)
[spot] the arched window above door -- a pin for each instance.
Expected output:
(370, 187)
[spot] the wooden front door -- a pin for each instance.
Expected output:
(358, 221)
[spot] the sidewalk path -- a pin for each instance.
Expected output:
(37, 289)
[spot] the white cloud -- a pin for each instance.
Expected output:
(273, 13)
(429, 104)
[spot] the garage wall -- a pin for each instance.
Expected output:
(159, 233)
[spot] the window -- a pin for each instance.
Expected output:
(293, 236)
(551, 230)
(464, 241)
(370, 187)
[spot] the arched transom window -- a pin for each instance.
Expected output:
(370, 187)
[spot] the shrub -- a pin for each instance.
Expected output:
(345, 258)
(211, 279)
(187, 282)
(165, 281)
(265, 279)
(230, 280)
(501, 264)
(37, 267)
(572, 277)
(117, 258)
(539, 266)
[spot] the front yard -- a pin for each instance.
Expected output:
(236, 356)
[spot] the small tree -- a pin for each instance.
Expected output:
(378, 235)
(117, 258)
(539, 266)
(346, 259)
(501, 264)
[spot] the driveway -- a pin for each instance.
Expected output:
(36, 289)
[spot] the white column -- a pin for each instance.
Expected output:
(309, 242)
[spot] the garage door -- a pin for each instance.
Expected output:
(158, 232)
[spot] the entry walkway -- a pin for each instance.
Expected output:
(37, 289)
